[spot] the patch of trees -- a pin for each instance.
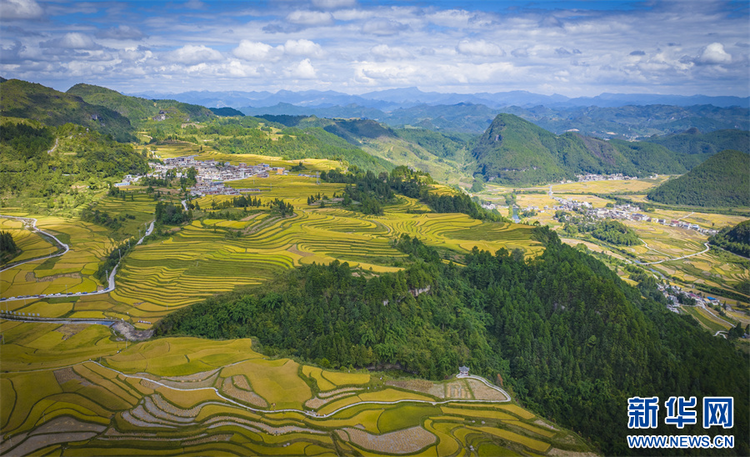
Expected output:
(615, 232)
(374, 191)
(104, 219)
(171, 214)
(237, 202)
(570, 339)
(282, 207)
(7, 244)
(26, 141)
(734, 239)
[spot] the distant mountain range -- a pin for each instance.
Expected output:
(623, 116)
(392, 99)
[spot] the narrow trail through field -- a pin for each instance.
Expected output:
(313, 413)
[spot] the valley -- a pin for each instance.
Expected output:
(318, 295)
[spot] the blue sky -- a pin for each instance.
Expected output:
(574, 48)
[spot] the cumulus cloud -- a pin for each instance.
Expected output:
(384, 27)
(303, 70)
(191, 54)
(333, 4)
(385, 52)
(302, 48)
(714, 54)
(256, 50)
(310, 18)
(73, 40)
(20, 9)
(121, 32)
(479, 48)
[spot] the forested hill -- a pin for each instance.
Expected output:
(21, 99)
(735, 239)
(721, 181)
(139, 110)
(515, 151)
(568, 338)
(695, 147)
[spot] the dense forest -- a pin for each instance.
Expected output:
(721, 181)
(567, 336)
(34, 164)
(372, 191)
(735, 239)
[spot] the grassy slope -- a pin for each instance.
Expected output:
(22, 99)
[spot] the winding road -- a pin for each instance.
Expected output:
(675, 258)
(110, 280)
(30, 221)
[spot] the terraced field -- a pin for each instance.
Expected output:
(185, 396)
(32, 245)
(71, 272)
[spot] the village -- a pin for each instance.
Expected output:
(210, 176)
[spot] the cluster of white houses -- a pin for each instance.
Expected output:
(629, 212)
(612, 177)
(211, 174)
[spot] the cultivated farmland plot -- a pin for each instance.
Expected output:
(189, 396)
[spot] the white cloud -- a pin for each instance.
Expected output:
(385, 52)
(451, 18)
(192, 54)
(384, 27)
(302, 48)
(479, 48)
(714, 54)
(303, 70)
(387, 72)
(73, 40)
(352, 14)
(310, 18)
(333, 4)
(252, 50)
(20, 9)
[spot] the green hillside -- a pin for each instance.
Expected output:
(48, 166)
(226, 111)
(699, 146)
(140, 110)
(721, 181)
(21, 99)
(570, 338)
(515, 151)
(439, 154)
(735, 239)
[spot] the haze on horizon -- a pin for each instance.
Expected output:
(573, 48)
